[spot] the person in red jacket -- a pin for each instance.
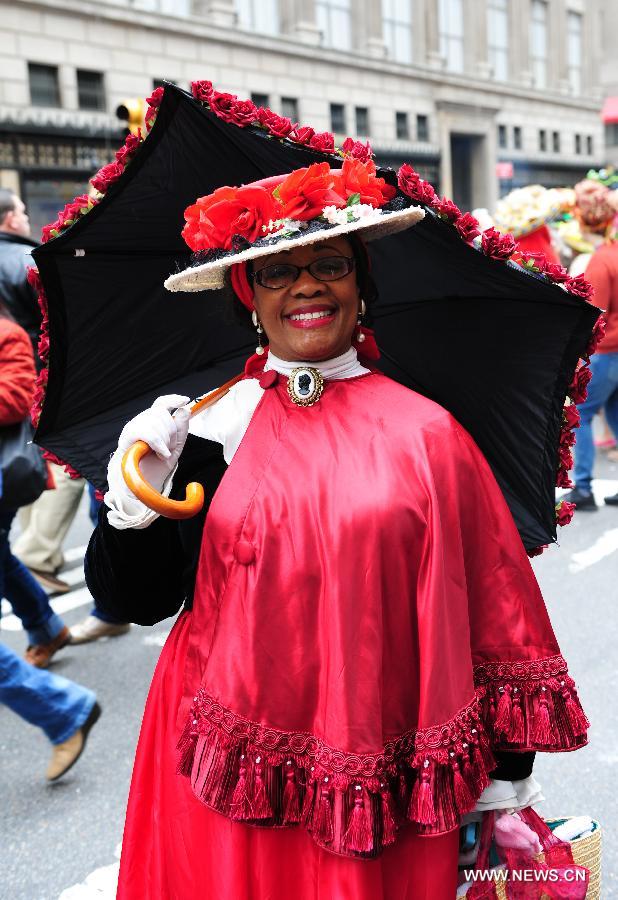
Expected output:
(602, 273)
(46, 631)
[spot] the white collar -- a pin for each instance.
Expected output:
(344, 366)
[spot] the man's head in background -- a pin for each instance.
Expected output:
(13, 216)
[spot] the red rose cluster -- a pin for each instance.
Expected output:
(213, 221)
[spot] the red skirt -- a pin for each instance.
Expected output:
(175, 848)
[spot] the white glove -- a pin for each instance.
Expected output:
(165, 435)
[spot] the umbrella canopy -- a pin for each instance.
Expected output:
(489, 341)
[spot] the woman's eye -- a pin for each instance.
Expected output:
(328, 266)
(276, 271)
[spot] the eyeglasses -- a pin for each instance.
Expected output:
(282, 275)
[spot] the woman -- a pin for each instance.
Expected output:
(47, 633)
(364, 651)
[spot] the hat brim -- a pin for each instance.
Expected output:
(210, 276)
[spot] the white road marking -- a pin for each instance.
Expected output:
(99, 885)
(156, 640)
(62, 604)
(602, 547)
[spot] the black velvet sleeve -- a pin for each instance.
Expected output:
(145, 575)
(512, 766)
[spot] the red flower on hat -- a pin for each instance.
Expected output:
(357, 149)
(359, 178)
(468, 227)
(212, 221)
(323, 141)
(497, 245)
(301, 134)
(305, 192)
(202, 90)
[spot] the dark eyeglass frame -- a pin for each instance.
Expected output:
(255, 276)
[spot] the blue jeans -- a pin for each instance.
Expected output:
(51, 702)
(602, 394)
(29, 601)
(95, 506)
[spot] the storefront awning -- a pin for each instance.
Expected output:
(609, 113)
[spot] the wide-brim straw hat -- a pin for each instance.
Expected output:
(339, 216)
(526, 209)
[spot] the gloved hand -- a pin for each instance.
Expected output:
(165, 435)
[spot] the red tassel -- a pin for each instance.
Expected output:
(543, 733)
(186, 745)
(358, 836)
(240, 808)
(291, 806)
(463, 798)
(403, 792)
(421, 807)
(516, 733)
(503, 713)
(323, 825)
(261, 804)
(491, 715)
(389, 828)
(577, 717)
(469, 771)
(309, 802)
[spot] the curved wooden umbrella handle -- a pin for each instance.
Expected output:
(144, 491)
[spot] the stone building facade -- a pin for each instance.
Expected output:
(480, 95)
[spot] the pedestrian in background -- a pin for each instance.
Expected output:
(602, 273)
(47, 632)
(15, 247)
(63, 709)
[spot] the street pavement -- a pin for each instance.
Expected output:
(62, 841)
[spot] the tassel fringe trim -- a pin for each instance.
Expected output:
(354, 805)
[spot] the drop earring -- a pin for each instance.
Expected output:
(360, 337)
(254, 318)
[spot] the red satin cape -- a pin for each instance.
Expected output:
(366, 628)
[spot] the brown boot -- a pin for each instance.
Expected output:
(68, 752)
(39, 655)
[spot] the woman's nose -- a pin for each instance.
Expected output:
(306, 285)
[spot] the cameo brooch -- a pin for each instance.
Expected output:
(305, 386)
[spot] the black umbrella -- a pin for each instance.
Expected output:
(493, 344)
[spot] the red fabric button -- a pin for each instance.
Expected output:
(267, 379)
(244, 553)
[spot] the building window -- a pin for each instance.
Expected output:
(334, 19)
(337, 118)
(452, 33)
(260, 99)
(555, 141)
(401, 126)
(258, 15)
(362, 121)
(611, 134)
(397, 29)
(517, 137)
(90, 90)
(578, 144)
(44, 90)
(574, 51)
(589, 145)
(502, 138)
(542, 139)
(538, 42)
(422, 128)
(498, 38)
(289, 108)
